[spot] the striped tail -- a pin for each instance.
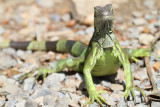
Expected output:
(75, 48)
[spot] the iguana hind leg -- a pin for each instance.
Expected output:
(56, 66)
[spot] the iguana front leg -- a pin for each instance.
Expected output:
(90, 61)
(117, 51)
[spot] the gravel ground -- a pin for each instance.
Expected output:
(37, 20)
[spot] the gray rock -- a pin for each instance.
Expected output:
(66, 17)
(19, 96)
(137, 82)
(89, 30)
(152, 28)
(47, 106)
(62, 102)
(45, 3)
(2, 102)
(93, 105)
(141, 75)
(146, 39)
(149, 4)
(130, 103)
(3, 78)
(44, 92)
(11, 81)
(122, 103)
(61, 94)
(106, 84)
(6, 61)
(124, 43)
(149, 17)
(31, 104)
(9, 51)
(54, 81)
(158, 82)
(79, 76)
(50, 100)
(8, 89)
(108, 99)
(55, 17)
(155, 104)
(21, 104)
(81, 32)
(10, 103)
(137, 14)
(141, 105)
(157, 24)
(138, 100)
(2, 30)
(28, 84)
(139, 21)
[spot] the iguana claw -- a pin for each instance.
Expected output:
(44, 72)
(128, 90)
(95, 95)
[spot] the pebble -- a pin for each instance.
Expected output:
(66, 17)
(139, 21)
(155, 104)
(138, 100)
(30, 103)
(11, 103)
(122, 103)
(137, 14)
(6, 61)
(62, 102)
(2, 30)
(55, 17)
(81, 32)
(21, 104)
(157, 24)
(149, 3)
(45, 3)
(141, 75)
(146, 39)
(28, 84)
(2, 102)
(106, 84)
(50, 100)
(94, 105)
(43, 92)
(89, 30)
(141, 105)
(130, 103)
(79, 76)
(158, 82)
(116, 87)
(137, 82)
(149, 17)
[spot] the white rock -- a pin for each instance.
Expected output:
(139, 21)
(146, 39)
(136, 14)
(45, 3)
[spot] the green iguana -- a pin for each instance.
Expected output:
(103, 56)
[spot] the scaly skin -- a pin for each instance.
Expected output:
(102, 57)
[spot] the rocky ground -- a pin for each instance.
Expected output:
(137, 24)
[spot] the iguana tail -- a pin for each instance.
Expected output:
(75, 48)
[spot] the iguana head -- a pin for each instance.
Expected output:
(103, 26)
(103, 13)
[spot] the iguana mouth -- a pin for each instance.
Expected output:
(104, 18)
